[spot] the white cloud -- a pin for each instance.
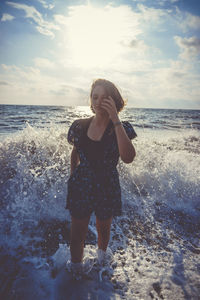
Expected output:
(87, 40)
(45, 31)
(61, 19)
(94, 37)
(43, 63)
(44, 27)
(145, 86)
(136, 44)
(7, 17)
(47, 5)
(186, 21)
(174, 1)
(153, 15)
(32, 86)
(4, 83)
(164, 2)
(191, 21)
(174, 83)
(190, 47)
(144, 80)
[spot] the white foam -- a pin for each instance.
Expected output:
(149, 245)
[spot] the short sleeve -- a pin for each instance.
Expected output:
(129, 130)
(72, 133)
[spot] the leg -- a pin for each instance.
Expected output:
(77, 238)
(103, 229)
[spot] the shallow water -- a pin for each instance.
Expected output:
(155, 243)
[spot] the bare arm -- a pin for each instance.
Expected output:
(74, 160)
(125, 146)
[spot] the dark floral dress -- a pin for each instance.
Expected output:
(94, 184)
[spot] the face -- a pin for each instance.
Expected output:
(98, 94)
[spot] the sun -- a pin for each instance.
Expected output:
(95, 35)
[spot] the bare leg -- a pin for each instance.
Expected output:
(77, 238)
(103, 229)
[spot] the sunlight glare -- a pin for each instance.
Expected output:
(96, 35)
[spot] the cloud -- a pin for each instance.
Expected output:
(43, 63)
(153, 15)
(175, 82)
(166, 2)
(87, 39)
(61, 19)
(146, 78)
(190, 47)
(4, 83)
(6, 17)
(44, 27)
(93, 37)
(46, 5)
(135, 44)
(20, 76)
(139, 46)
(191, 21)
(186, 21)
(32, 86)
(148, 86)
(67, 91)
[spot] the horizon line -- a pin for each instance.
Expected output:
(17, 104)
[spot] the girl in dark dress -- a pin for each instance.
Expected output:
(93, 186)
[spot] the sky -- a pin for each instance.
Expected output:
(51, 51)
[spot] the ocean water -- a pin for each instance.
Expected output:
(155, 243)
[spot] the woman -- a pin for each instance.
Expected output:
(98, 142)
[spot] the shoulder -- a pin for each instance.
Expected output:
(75, 122)
(81, 124)
(73, 127)
(78, 123)
(82, 120)
(129, 129)
(74, 131)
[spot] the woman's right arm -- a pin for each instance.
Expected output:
(74, 159)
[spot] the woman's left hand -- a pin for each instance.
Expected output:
(110, 107)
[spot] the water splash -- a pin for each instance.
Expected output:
(156, 238)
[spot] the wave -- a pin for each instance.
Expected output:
(35, 166)
(160, 193)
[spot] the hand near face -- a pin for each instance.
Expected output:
(109, 105)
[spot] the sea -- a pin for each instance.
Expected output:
(155, 243)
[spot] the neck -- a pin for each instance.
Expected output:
(101, 119)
